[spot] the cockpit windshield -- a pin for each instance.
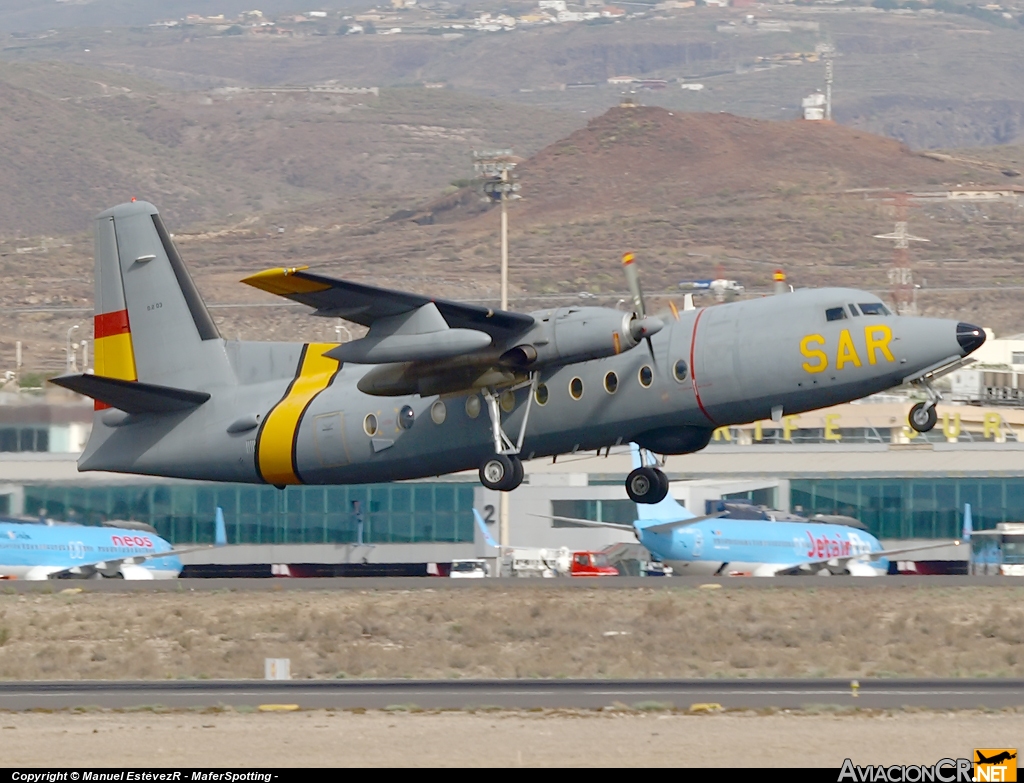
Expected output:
(835, 314)
(874, 308)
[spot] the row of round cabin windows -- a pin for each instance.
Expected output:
(507, 399)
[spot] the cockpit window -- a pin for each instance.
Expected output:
(835, 314)
(853, 310)
(874, 308)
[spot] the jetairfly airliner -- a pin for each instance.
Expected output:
(714, 545)
(38, 550)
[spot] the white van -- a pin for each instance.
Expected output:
(468, 569)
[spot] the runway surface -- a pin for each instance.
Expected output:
(515, 694)
(436, 583)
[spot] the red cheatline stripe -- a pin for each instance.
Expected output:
(108, 324)
(693, 375)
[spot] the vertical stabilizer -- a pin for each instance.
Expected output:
(668, 510)
(220, 534)
(151, 324)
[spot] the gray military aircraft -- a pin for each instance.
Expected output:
(436, 386)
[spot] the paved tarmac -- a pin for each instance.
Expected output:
(435, 583)
(515, 694)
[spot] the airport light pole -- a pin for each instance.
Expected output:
(70, 356)
(496, 168)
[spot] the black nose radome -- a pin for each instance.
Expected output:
(970, 337)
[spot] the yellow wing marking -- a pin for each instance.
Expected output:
(282, 281)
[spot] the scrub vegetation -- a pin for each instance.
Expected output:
(522, 632)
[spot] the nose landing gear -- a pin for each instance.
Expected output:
(923, 416)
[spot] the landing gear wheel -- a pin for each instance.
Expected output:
(646, 485)
(518, 473)
(923, 417)
(663, 481)
(501, 472)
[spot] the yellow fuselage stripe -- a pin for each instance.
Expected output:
(275, 454)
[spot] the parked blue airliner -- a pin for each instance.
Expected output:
(715, 545)
(42, 549)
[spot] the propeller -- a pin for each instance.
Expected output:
(642, 327)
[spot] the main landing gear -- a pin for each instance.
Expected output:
(923, 416)
(646, 484)
(504, 470)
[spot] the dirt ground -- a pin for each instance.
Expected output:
(503, 739)
(522, 632)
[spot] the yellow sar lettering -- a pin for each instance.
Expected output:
(876, 342)
(814, 353)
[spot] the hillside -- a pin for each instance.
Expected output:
(695, 195)
(77, 140)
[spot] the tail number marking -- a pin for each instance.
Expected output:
(876, 347)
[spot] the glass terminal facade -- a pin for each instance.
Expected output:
(913, 508)
(183, 513)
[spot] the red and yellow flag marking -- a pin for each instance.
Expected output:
(113, 353)
(275, 444)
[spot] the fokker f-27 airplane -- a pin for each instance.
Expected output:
(717, 546)
(436, 386)
(36, 550)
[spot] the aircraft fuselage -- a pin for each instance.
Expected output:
(291, 415)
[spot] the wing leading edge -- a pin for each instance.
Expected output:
(366, 304)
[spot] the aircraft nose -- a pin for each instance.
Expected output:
(970, 337)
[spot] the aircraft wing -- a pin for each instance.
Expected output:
(586, 522)
(668, 527)
(365, 304)
(664, 527)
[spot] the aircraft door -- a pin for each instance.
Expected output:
(331, 445)
(680, 356)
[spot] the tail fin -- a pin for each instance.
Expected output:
(668, 510)
(151, 324)
(220, 535)
(483, 529)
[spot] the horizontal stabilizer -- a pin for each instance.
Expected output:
(132, 396)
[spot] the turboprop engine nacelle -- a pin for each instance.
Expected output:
(576, 334)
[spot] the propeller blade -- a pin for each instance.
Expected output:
(633, 281)
(650, 347)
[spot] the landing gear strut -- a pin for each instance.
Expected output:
(646, 484)
(504, 471)
(923, 416)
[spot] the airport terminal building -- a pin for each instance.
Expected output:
(855, 460)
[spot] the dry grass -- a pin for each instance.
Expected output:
(950, 632)
(552, 738)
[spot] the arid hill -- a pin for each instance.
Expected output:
(696, 195)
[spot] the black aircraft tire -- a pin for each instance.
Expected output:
(496, 472)
(518, 473)
(662, 485)
(644, 486)
(923, 418)
(502, 472)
